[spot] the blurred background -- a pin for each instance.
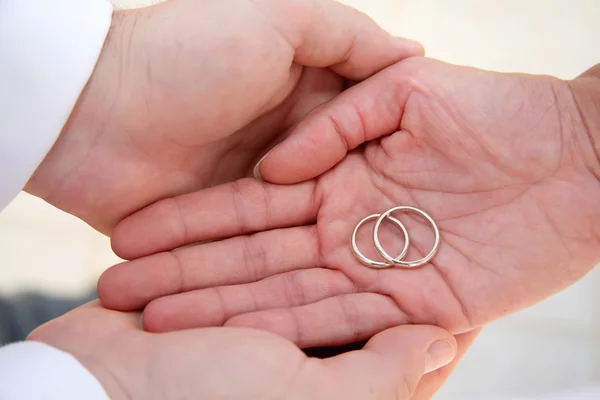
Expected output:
(553, 347)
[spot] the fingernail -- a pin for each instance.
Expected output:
(256, 170)
(439, 354)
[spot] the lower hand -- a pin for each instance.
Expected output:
(236, 363)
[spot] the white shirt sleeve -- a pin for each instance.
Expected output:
(48, 50)
(34, 371)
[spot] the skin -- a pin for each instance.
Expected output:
(235, 363)
(431, 383)
(502, 162)
(180, 99)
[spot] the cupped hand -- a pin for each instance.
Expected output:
(236, 363)
(188, 94)
(496, 159)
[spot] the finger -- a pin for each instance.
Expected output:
(334, 321)
(133, 284)
(388, 367)
(330, 34)
(433, 381)
(232, 209)
(366, 111)
(214, 306)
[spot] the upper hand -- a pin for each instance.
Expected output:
(187, 94)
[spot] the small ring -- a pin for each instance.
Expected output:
(367, 261)
(396, 261)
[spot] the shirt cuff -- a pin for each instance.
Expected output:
(34, 370)
(48, 52)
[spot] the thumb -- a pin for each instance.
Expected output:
(326, 33)
(432, 382)
(369, 110)
(392, 362)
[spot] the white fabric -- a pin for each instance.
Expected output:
(36, 371)
(48, 50)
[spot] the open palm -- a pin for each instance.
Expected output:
(175, 105)
(491, 157)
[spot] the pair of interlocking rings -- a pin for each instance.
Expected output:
(389, 260)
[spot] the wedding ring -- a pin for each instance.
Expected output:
(398, 261)
(372, 263)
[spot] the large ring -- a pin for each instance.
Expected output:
(398, 261)
(372, 263)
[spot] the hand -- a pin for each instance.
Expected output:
(188, 94)
(228, 363)
(498, 160)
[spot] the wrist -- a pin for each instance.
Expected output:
(585, 117)
(82, 132)
(111, 381)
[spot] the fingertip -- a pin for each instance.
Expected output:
(153, 229)
(120, 290)
(309, 152)
(282, 167)
(256, 171)
(119, 239)
(154, 319)
(131, 285)
(440, 354)
(109, 289)
(431, 383)
(125, 239)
